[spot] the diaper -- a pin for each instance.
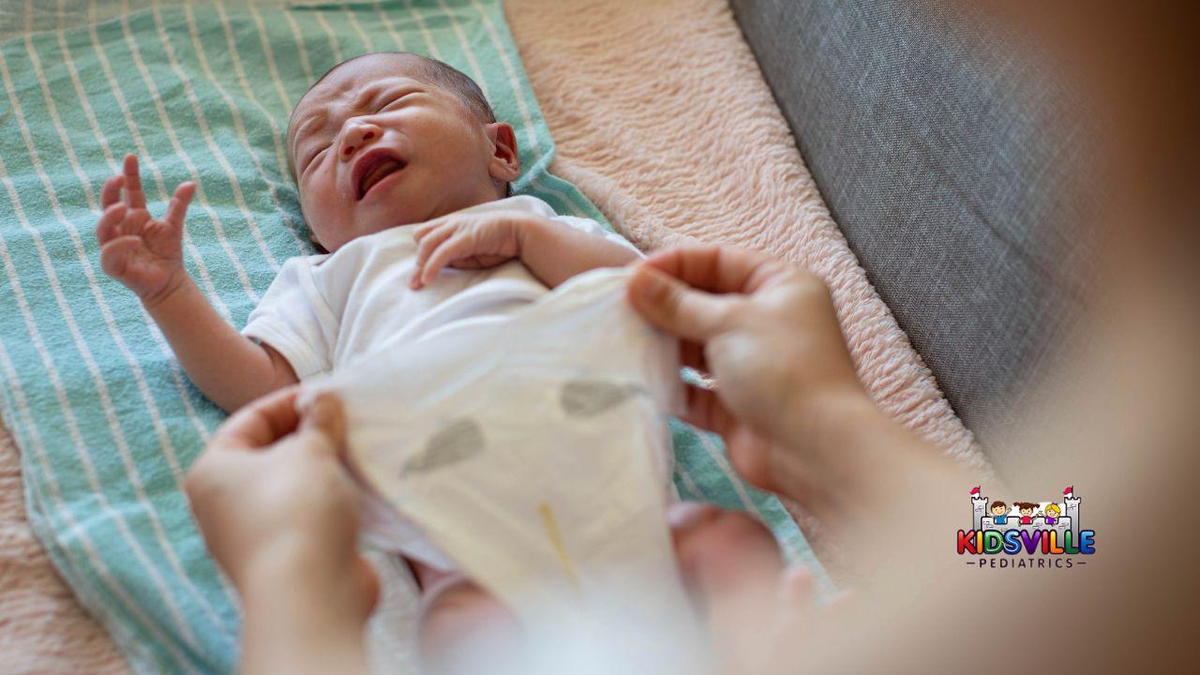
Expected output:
(531, 451)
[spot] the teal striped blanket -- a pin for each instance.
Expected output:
(105, 418)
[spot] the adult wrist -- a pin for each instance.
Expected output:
(303, 571)
(841, 435)
(299, 618)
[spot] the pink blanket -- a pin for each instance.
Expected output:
(662, 118)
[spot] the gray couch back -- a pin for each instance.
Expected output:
(943, 157)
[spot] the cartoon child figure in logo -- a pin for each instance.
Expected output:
(999, 512)
(1026, 511)
(1052, 513)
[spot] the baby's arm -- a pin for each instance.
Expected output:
(230, 368)
(553, 251)
(146, 255)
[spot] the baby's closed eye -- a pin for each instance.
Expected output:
(316, 155)
(395, 101)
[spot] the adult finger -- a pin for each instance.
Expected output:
(325, 417)
(750, 453)
(717, 269)
(178, 206)
(261, 422)
(797, 597)
(670, 305)
(705, 410)
(134, 196)
(691, 354)
(111, 192)
(797, 587)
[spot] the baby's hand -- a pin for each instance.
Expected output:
(143, 253)
(469, 241)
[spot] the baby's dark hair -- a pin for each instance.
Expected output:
(456, 82)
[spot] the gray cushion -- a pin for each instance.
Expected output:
(937, 155)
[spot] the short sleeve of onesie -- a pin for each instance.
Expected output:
(295, 320)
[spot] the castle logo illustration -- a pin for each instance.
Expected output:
(1048, 531)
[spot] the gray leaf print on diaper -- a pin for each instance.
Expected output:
(459, 440)
(588, 398)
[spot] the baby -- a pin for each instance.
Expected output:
(381, 141)
(403, 175)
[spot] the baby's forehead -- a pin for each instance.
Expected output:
(353, 81)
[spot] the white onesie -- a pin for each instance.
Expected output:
(520, 432)
(322, 311)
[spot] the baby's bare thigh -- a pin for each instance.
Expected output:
(457, 613)
(716, 548)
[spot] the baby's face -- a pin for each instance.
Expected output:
(374, 148)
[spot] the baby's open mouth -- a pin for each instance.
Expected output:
(374, 167)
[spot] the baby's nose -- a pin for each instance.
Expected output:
(356, 138)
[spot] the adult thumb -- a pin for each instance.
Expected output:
(325, 417)
(673, 306)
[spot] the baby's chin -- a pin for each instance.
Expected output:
(390, 213)
(394, 205)
(365, 227)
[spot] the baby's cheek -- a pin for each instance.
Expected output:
(314, 202)
(311, 211)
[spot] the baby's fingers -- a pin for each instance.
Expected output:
(426, 248)
(420, 231)
(178, 206)
(111, 192)
(109, 225)
(134, 197)
(459, 245)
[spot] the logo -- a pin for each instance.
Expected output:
(1046, 533)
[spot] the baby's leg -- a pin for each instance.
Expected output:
(729, 561)
(721, 550)
(732, 568)
(459, 622)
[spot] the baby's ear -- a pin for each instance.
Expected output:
(505, 164)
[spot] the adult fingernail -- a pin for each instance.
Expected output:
(320, 412)
(649, 285)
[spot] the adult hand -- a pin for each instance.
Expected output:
(273, 500)
(766, 331)
(797, 421)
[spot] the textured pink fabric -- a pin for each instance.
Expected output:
(42, 628)
(662, 118)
